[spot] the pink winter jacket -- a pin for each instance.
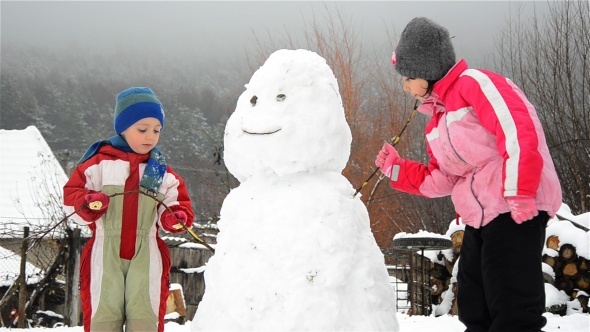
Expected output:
(485, 143)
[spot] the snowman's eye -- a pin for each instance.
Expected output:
(253, 100)
(281, 97)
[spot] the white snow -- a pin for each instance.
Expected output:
(50, 313)
(420, 234)
(575, 322)
(568, 233)
(10, 269)
(548, 269)
(582, 219)
(31, 181)
(553, 296)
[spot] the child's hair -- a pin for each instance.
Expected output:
(424, 51)
(134, 104)
(430, 86)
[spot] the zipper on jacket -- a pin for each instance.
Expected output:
(475, 197)
(466, 163)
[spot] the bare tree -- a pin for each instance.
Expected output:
(549, 57)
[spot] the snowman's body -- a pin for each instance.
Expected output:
(295, 250)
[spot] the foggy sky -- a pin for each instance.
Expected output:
(225, 30)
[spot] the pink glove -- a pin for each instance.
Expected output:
(386, 158)
(522, 208)
(171, 222)
(97, 201)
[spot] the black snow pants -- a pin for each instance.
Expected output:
(500, 279)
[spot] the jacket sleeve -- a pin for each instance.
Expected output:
(416, 178)
(176, 197)
(75, 191)
(503, 110)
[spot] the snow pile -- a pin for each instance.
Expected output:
(295, 250)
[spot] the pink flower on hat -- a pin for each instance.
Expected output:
(393, 60)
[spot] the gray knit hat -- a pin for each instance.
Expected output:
(424, 51)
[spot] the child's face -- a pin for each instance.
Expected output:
(417, 87)
(143, 135)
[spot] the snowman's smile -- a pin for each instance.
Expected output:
(261, 133)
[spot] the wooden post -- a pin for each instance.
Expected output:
(72, 309)
(22, 293)
(424, 308)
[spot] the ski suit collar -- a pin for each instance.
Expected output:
(434, 103)
(156, 166)
(443, 86)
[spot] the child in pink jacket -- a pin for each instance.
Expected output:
(487, 150)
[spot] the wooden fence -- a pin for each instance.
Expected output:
(193, 283)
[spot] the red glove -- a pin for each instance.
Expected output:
(386, 158)
(171, 222)
(97, 201)
(522, 208)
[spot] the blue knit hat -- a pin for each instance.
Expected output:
(134, 104)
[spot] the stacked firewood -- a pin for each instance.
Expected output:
(571, 272)
(441, 274)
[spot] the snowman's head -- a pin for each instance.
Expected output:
(289, 120)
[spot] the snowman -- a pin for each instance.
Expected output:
(295, 250)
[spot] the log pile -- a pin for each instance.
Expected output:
(571, 273)
(441, 275)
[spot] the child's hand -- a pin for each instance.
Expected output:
(97, 201)
(172, 222)
(522, 208)
(386, 158)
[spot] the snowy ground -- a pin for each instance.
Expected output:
(555, 323)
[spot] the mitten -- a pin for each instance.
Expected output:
(386, 158)
(522, 208)
(97, 201)
(171, 222)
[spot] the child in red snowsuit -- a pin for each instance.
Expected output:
(124, 269)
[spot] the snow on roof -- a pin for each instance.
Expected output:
(32, 181)
(10, 269)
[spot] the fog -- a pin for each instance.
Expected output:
(226, 30)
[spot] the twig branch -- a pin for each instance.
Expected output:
(190, 231)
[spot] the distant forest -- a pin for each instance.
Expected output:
(70, 97)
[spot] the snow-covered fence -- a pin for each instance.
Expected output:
(47, 273)
(16, 274)
(420, 287)
(410, 276)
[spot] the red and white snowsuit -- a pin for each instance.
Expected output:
(124, 269)
(482, 148)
